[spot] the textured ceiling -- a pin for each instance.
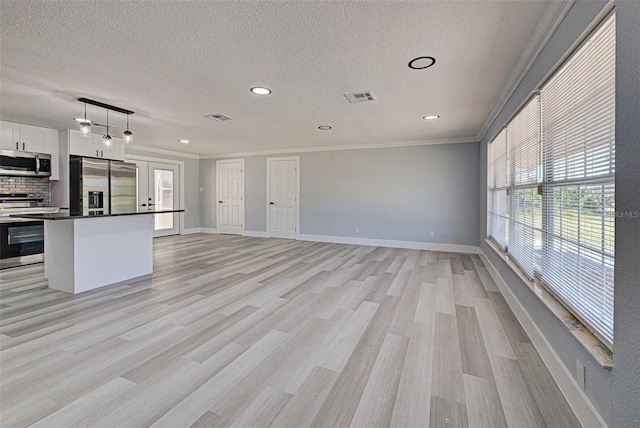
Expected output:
(174, 62)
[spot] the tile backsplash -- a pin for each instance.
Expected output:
(27, 185)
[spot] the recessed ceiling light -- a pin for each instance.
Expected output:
(431, 117)
(422, 62)
(260, 91)
(184, 141)
(324, 127)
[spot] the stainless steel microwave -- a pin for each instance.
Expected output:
(25, 164)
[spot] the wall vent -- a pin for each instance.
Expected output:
(360, 97)
(219, 117)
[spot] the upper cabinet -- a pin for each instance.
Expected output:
(16, 136)
(9, 136)
(93, 147)
(32, 138)
(27, 138)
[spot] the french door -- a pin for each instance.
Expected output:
(159, 189)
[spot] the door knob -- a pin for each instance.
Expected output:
(143, 205)
(272, 203)
(219, 202)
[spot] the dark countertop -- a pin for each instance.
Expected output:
(67, 216)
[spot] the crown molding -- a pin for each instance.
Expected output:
(548, 24)
(337, 148)
(162, 151)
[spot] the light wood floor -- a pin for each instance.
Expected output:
(235, 331)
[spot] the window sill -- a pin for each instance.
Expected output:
(594, 346)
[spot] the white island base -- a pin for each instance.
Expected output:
(85, 253)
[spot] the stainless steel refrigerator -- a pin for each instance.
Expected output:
(88, 186)
(124, 198)
(100, 186)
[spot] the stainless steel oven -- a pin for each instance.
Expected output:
(21, 240)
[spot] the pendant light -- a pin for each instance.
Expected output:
(85, 125)
(127, 135)
(107, 140)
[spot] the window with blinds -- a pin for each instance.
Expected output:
(578, 124)
(497, 199)
(524, 139)
(552, 183)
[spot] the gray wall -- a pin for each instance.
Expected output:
(208, 198)
(394, 193)
(626, 350)
(398, 193)
(613, 393)
(192, 180)
(255, 193)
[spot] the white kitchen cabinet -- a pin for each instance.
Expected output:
(16, 136)
(117, 151)
(93, 146)
(9, 136)
(52, 146)
(81, 146)
(32, 138)
(28, 138)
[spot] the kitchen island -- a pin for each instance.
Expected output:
(82, 253)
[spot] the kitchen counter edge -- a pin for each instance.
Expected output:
(66, 216)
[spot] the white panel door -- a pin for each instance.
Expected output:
(282, 197)
(230, 177)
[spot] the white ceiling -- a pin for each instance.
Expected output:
(174, 62)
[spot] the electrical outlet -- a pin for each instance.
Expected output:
(432, 234)
(357, 229)
(580, 374)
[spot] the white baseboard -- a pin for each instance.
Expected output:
(577, 399)
(411, 245)
(208, 230)
(255, 234)
(191, 230)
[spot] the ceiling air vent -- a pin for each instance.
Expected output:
(219, 117)
(360, 97)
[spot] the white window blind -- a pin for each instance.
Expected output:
(497, 200)
(524, 141)
(562, 144)
(578, 117)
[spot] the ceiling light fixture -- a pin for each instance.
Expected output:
(431, 117)
(85, 125)
(324, 127)
(184, 141)
(107, 140)
(127, 135)
(422, 62)
(260, 91)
